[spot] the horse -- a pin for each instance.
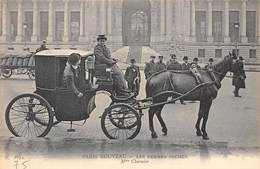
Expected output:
(168, 83)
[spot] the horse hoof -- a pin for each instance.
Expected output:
(205, 137)
(154, 135)
(198, 133)
(164, 132)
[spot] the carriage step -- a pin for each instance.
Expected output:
(71, 130)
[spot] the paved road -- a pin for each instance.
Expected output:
(233, 124)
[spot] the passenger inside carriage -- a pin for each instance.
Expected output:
(71, 74)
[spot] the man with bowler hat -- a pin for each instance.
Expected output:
(239, 76)
(160, 65)
(185, 65)
(173, 64)
(103, 56)
(132, 76)
(150, 67)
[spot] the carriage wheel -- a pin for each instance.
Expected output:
(7, 73)
(31, 74)
(120, 121)
(29, 115)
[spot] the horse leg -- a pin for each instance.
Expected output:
(151, 114)
(164, 128)
(205, 119)
(200, 115)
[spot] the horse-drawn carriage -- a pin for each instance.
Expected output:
(34, 114)
(23, 62)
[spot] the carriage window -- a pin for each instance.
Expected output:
(218, 53)
(201, 52)
(252, 53)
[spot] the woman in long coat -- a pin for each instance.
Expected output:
(239, 76)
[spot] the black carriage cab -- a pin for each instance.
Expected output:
(49, 68)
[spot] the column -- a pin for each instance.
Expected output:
(193, 22)
(50, 20)
(66, 21)
(226, 22)
(169, 12)
(82, 15)
(258, 30)
(34, 37)
(162, 17)
(243, 21)
(19, 36)
(4, 21)
(87, 15)
(187, 20)
(109, 18)
(209, 20)
(103, 17)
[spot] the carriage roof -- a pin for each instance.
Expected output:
(63, 53)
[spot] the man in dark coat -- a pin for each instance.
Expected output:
(150, 68)
(160, 65)
(239, 76)
(42, 47)
(185, 65)
(133, 77)
(173, 64)
(103, 56)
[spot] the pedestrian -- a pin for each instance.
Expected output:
(103, 57)
(173, 64)
(150, 67)
(210, 68)
(133, 77)
(160, 65)
(239, 76)
(185, 65)
(42, 47)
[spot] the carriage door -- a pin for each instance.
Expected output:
(136, 23)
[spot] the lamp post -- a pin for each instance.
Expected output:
(236, 26)
(24, 28)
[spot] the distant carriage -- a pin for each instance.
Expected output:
(23, 62)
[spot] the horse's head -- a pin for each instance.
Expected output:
(229, 61)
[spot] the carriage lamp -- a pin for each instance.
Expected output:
(89, 63)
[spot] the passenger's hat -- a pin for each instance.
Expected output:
(185, 58)
(132, 60)
(210, 59)
(44, 41)
(101, 37)
(74, 58)
(195, 59)
(240, 58)
(152, 56)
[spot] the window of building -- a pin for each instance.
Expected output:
(28, 25)
(234, 51)
(59, 25)
(251, 26)
(218, 53)
(217, 26)
(43, 25)
(201, 52)
(74, 25)
(201, 26)
(252, 53)
(233, 32)
(13, 25)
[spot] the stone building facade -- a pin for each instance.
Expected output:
(203, 28)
